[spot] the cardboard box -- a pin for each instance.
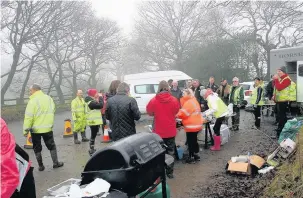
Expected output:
(245, 168)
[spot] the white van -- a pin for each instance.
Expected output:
(143, 86)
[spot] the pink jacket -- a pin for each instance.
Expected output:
(9, 170)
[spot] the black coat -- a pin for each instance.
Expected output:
(176, 93)
(199, 98)
(269, 90)
(122, 111)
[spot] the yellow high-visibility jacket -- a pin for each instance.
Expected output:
(39, 113)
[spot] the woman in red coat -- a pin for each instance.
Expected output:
(17, 179)
(164, 108)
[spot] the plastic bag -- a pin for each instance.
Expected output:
(291, 128)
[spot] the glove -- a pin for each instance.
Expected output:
(255, 106)
(203, 114)
(238, 105)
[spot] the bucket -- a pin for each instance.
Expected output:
(180, 152)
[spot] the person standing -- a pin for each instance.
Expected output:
(164, 107)
(170, 81)
(211, 84)
(284, 92)
(219, 110)
(197, 87)
(236, 98)
(190, 113)
(79, 117)
(175, 90)
(269, 92)
(39, 118)
(122, 111)
(94, 104)
(17, 179)
(224, 91)
(257, 100)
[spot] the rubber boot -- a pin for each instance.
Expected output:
(190, 159)
(91, 147)
(217, 145)
(56, 163)
(83, 135)
(40, 162)
(197, 157)
(92, 150)
(76, 141)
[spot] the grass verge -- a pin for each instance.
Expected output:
(288, 181)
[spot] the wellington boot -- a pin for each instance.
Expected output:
(56, 163)
(217, 145)
(83, 135)
(76, 141)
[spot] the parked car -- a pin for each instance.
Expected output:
(248, 88)
(144, 86)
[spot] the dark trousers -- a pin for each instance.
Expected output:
(170, 150)
(48, 139)
(192, 141)
(94, 130)
(282, 118)
(257, 113)
(217, 125)
(236, 118)
(28, 189)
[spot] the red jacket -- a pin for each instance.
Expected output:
(282, 84)
(164, 108)
(9, 170)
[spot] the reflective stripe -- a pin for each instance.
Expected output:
(192, 126)
(186, 113)
(29, 114)
(42, 127)
(93, 118)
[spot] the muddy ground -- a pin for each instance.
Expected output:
(204, 179)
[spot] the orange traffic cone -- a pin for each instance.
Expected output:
(29, 142)
(105, 135)
(67, 128)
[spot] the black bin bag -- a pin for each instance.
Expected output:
(130, 165)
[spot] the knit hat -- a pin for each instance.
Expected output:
(92, 92)
(283, 69)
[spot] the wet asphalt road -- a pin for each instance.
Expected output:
(187, 177)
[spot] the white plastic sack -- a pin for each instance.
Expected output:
(224, 132)
(230, 109)
(96, 187)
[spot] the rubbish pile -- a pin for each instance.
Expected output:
(254, 164)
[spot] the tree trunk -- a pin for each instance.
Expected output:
(12, 72)
(267, 76)
(75, 87)
(22, 92)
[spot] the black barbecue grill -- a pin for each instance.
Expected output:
(130, 165)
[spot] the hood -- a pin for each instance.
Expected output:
(164, 97)
(88, 99)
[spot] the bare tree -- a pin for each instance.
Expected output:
(28, 21)
(101, 38)
(269, 22)
(167, 31)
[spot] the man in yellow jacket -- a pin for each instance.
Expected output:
(39, 119)
(79, 118)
